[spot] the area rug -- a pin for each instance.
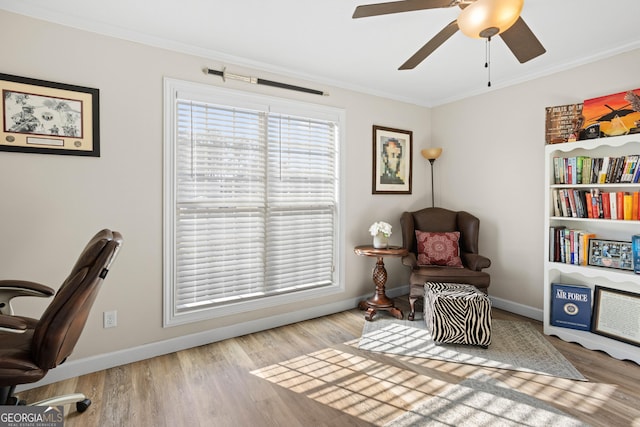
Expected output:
(483, 401)
(514, 345)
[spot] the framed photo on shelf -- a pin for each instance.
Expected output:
(392, 160)
(616, 314)
(45, 117)
(610, 253)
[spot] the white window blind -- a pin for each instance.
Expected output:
(255, 204)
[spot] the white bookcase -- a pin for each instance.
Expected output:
(557, 272)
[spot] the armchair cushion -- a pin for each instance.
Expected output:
(439, 248)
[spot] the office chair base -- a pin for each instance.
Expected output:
(81, 401)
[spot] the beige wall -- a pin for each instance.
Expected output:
(53, 204)
(492, 165)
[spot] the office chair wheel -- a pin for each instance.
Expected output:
(14, 401)
(83, 405)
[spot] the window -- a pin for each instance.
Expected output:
(251, 201)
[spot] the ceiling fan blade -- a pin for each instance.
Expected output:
(398, 6)
(522, 42)
(431, 45)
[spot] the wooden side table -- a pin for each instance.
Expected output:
(380, 301)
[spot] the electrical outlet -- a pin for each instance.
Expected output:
(110, 319)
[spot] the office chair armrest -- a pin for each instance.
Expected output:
(476, 262)
(10, 289)
(12, 324)
(410, 260)
(25, 288)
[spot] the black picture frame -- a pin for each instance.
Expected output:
(607, 320)
(611, 254)
(392, 160)
(39, 116)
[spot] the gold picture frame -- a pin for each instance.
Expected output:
(40, 116)
(392, 160)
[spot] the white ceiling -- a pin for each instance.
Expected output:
(318, 40)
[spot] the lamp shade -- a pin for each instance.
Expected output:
(486, 18)
(431, 153)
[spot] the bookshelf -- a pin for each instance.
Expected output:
(609, 229)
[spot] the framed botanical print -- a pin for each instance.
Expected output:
(392, 160)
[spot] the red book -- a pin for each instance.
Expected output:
(606, 205)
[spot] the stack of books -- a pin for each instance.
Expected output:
(596, 170)
(569, 246)
(595, 203)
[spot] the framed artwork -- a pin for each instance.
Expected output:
(611, 115)
(563, 123)
(45, 117)
(610, 253)
(392, 160)
(615, 314)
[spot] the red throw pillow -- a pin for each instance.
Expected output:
(439, 248)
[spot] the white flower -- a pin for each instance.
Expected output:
(380, 227)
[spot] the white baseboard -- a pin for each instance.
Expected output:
(517, 308)
(100, 362)
(74, 368)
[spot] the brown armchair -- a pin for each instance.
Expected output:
(29, 348)
(443, 220)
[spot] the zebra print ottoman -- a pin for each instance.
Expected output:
(457, 314)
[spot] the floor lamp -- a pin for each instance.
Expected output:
(431, 154)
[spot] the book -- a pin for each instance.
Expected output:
(613, 205)
(628, 206)
(589, 202)
(596, 201)
(571, 306)
(630, 167)
(556, 171)
(619, 205)
(584, 250)
(555, 237)
(564, 203)
(571, 167)
(606, 205)
(572, 204)
(635, 249)
(595, 169)
(602, 174)
(636, 174)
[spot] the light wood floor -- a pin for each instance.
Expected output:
(312, 374)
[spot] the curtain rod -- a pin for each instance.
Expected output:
(257, 81)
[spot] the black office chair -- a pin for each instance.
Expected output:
(29, 348)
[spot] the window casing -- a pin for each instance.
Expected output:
(252, 212)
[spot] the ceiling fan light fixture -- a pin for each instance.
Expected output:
(486, 18)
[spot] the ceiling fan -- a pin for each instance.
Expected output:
(477, 19)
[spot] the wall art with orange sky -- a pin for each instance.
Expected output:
(611, 115)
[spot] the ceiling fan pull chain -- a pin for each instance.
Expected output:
(487, 64)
